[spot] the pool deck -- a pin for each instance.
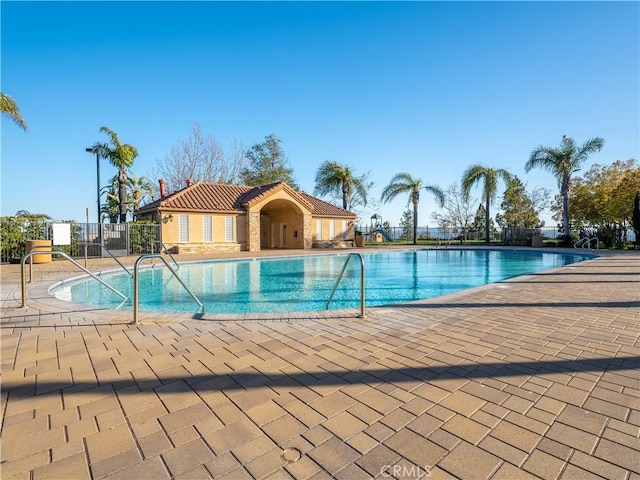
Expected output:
(532, 377)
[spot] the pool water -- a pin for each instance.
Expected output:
(289, 284)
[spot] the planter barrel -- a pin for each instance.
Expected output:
(40, 257)
(537, 240)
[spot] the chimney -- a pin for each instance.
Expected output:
(161, 182)
(189, 182)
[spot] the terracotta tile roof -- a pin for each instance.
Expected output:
(214, 197)
(320, 207)
(258, 193)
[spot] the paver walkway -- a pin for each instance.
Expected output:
(534, 377)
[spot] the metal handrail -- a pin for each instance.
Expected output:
(166, 250)
(441, 241)
(580, 242)
(335, 287)
(23, 279)
(104, 249)
(46, 249)
(585, 242)
(135, 283)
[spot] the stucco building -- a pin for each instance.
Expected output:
(207, 217)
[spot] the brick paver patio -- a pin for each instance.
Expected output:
(533, 377)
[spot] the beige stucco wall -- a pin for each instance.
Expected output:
(171, 229)
(326, 229)
(278, 222)
(280, 195)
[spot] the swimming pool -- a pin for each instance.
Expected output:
(304, 283)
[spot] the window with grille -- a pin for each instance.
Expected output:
(228, 229)
(207, 228)
(184, 228)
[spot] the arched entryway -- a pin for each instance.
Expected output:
(281, 223)
(278, 217)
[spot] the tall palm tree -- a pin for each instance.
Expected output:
(562, 162)
(404, 183)
(489, 177)
(333, 177)
(120, 156)
(9, 107)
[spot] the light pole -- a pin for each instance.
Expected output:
(95, 150)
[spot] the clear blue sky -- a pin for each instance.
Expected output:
(423, 87)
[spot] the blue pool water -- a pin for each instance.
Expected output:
(305, 283)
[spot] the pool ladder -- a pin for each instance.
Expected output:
(136, 266)
(335, 287)
(136, 282)
(49, 250)
(45, 249)
(585, 243)
(166, 250)
(104, 250)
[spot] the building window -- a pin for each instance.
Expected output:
(319, 229)
(228, 229)
(207, 228)
(332, 229)
(344, 229)
(184, 228)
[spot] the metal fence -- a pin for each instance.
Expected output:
(508, 236)
(119, 238)
(134, 239)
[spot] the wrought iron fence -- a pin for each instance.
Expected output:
(136, 238)
(120, 239)
(507, 236)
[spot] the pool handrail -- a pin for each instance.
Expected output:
(104, 249)
(135, 283)
(335, 287)
(23, 279)
(166, 250)
(585, 242)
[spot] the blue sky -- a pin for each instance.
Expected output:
(423, 87)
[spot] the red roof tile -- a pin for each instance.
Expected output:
(214, 197)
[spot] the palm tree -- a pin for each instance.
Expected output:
(562, 163)
(139, 189)
(489, 176)
(333, 177)
(9, 107)
(111, 207)
(404, 183)
(33, 225)
(122, 157)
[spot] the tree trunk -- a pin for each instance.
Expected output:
(415, 222)
(487, 228)
(122, 196)
(565, 215)
(635, 217)
(345, 195)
